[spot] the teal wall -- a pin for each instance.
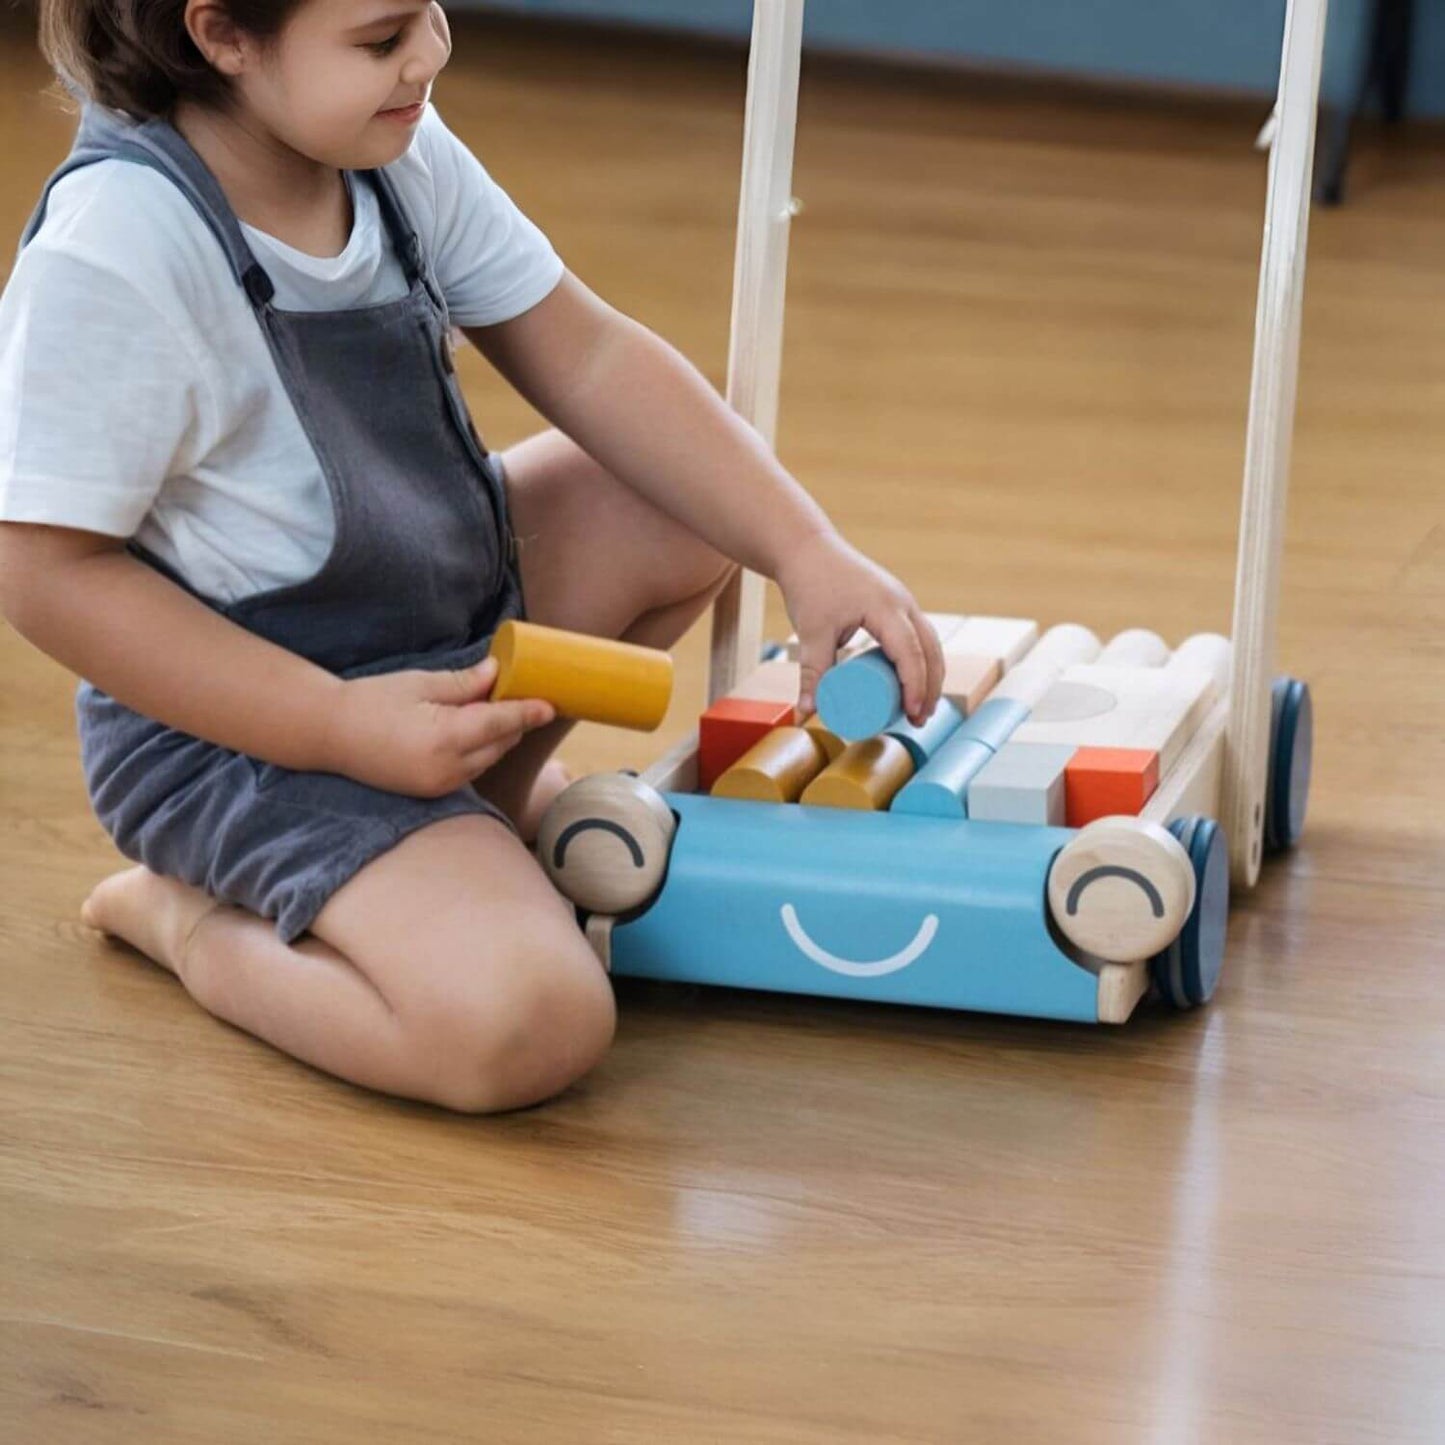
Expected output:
(1220, 44)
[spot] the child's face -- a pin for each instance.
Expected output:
(346, 81)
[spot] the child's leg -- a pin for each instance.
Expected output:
(446, 970)
(595, 557)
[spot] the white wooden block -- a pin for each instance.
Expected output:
(945, 624)
(1007, 638)
(1136, 648)
(1208, 652)
(1060, 647)
(1093, 705)
(1022, 783)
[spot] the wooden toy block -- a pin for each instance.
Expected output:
(1021, 783)
(1136, 648)
(594, 679)
(1097, 706)
(775, 769)
(831, 743)
(1060, 647)
(1103, 782)
(946, 625)
(923, 742)
(865, 777)
(995, 722)
(1208, 652)
(861, 696)
(1007, 640)
(777, 680)
(940, 789)
(729, 728)
(968, 680)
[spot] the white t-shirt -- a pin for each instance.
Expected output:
(138, 397)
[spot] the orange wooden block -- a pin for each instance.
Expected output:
(729, 728)
(1102, 782)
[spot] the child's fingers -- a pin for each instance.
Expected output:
(484, 751)
(461, 685)
(899, 639)
(817, 652)
(932, 651)
(493, 721)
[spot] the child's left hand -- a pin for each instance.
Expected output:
(831, 590)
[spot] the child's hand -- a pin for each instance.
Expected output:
(831, 590)
(426, 734)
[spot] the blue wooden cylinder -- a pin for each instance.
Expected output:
(923, 742)
(861, 697)
(940, 788)
(995, 721)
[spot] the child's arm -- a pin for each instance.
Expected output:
(644, 412)
(81, 598)
(94, 608)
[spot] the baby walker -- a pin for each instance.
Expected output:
(1062, 832)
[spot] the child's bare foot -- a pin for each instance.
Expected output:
(153, 914)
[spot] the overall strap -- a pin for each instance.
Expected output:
(403, 235)
(107, 135)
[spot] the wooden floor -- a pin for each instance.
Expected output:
(1018, 355)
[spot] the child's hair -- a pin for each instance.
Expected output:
(136, 56)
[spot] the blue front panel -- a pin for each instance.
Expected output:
(882, 906)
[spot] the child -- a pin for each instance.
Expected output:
(242, 499)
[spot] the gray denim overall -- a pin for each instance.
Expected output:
(421, 573)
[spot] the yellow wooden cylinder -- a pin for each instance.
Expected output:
(775, 769)
(833, 745)
(592, 679)
(865, 776)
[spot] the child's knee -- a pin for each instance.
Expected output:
(551, 1025)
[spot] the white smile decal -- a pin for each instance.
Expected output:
(878, 967)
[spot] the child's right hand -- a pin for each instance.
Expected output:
(426, 734)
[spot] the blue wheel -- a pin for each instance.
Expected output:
(1291, 753)
(1187, 972)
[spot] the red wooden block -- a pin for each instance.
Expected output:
(1103, 782)
(729, 728)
